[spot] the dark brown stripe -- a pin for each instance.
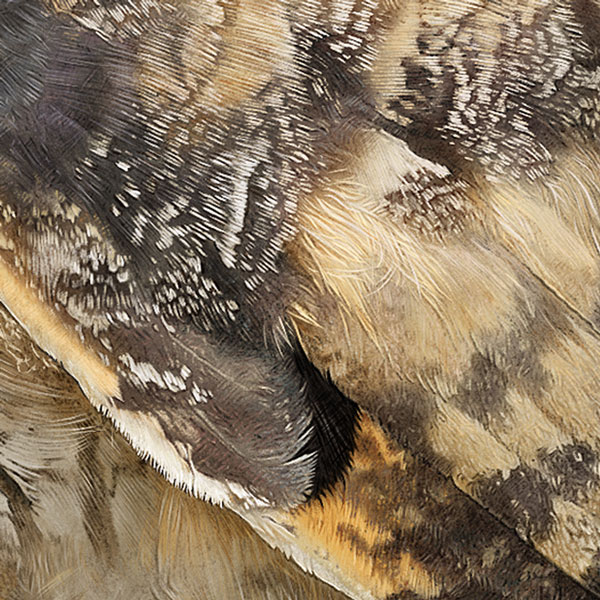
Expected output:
(21, 509)
(96, 505)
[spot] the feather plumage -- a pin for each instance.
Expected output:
(225, 225)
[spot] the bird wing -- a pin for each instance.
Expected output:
(228, 235)
(458, 254)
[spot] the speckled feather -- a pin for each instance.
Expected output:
(231, 221)
(82, 516)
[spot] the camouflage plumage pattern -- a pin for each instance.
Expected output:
(217, 215)
(82, 516)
